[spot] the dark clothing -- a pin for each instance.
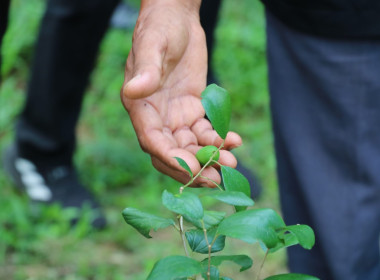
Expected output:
(325, 104)
(334, 18)
(67, 45)
(209, 17)
(4, 7)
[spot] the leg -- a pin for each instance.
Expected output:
(67, 45)
(325, 108)
(209, 17)
(41, 161)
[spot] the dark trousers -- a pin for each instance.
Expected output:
(69, 39)
(209, 17)
(325, 101)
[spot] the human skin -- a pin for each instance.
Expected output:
(165, 75)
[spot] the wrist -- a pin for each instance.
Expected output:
(190, 5)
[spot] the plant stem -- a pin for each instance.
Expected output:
(218, 163)
(209, 250)
(203, 168)
(212, 181)
(176, 228)
(262, 264)
(181, 231)
(180, 224)
(180, 218)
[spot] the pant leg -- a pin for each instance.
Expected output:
(4, 9)
(325, 101)
(209, 17)
(67, 45)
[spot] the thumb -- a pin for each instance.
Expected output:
(145, 69)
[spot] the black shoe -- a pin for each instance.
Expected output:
(59, 184)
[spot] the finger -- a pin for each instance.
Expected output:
(226, 158)
(233, 140)
(180, 175)
(159, 141)
(185, 137)
(212, 176)
(206, 135)
(164, 151)
(183, 177)
(143, 84)
(144, 66)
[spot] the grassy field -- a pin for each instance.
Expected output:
(36, 241)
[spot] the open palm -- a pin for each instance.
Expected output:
(165, 75)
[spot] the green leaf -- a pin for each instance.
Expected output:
(253, 225)
(186, 204)
(173, 267)
(144, 222)
(293, 235)
(217, 103)
(291, 276)
(214, 273)
(304, 234)
(225, 278)
(233, 180)
(232, 198)
(286, 240)
(197, 241)
(184, 165)
(210, 219)
(244, 261)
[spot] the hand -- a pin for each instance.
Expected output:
(164, 77)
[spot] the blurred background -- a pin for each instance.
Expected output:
(37, 242)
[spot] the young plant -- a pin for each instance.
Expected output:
(206, 230)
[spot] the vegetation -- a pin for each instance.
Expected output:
(36, 241)
(206, 231)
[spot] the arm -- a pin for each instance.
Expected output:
(164, 77)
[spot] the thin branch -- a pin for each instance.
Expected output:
(217, 162)
(203, 168)
(209, 246)
(181, 231)
(212, 181)
(262, 264)
(180, 218)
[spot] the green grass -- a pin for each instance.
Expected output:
(36, 242)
